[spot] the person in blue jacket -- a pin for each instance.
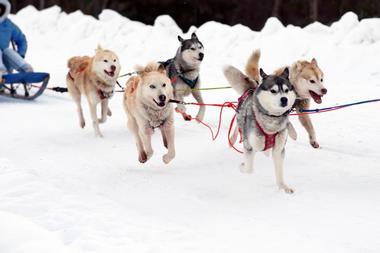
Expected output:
(9, 32)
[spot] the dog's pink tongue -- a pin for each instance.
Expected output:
(317, 99)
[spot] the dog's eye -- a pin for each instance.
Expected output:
(105, 60)
(164, 85)
(286, 90)
(273, 91)
(321, 80)
(312, 81)
(114, 60)
(193, 48)
(152, 86)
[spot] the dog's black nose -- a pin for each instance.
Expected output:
(324, 91)
(162, 98)
(284, 101)
(201, 55)
(113, 67)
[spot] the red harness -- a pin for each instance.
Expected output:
(270, 139)
(101, 94)
(70, 76)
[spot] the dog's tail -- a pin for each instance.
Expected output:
(252, 67)
(238, 81)
(78, 64)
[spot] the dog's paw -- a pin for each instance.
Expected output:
(143, 157)
(101, 120)
(287, 189)
(314, 144)
(200, 116)
(167, 158)
(149, 154)
(109, 112)
(99, 135)
(185, 116)
(244, 169)
(82, 124)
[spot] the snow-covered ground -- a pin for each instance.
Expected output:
(62, 190)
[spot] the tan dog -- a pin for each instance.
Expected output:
(307, 79)
(95, 77)
(146, 101)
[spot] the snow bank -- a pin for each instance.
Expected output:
(53, 34)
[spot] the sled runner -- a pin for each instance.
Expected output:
(27, 86)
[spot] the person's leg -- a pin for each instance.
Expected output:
(12, 60)
(3, 69)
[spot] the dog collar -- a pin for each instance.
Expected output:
(104, 95)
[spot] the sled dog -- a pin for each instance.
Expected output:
(146, 101)
(183, 70)
(262, 117)
(307, 79)
(95, 77)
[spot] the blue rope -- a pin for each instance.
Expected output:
(341, 106)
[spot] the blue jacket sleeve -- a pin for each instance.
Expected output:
(19, 38)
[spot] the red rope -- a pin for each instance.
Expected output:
(222, 106)
(233, 106)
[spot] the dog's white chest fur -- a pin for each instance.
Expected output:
(157, 118)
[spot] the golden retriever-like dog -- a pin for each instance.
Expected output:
(95, 77)
(146, 101)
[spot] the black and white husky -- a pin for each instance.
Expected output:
(262, 117)
(183, 70)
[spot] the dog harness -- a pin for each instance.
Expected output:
(102, 95)
(270, 139)
(173, 74)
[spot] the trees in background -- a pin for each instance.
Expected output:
(252, 13)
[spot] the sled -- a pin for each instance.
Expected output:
(27, 86)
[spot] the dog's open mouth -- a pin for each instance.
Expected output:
(160, 104)
(317, 98)
(110, 73)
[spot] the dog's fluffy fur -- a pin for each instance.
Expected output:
(307, 78)
(187, 63)
(266, 108)
(146, 101)
(95, 77)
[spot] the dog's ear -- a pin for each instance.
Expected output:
(180, 39)
(262, 74)
(285, 73)
(133, 83)
(194, 36)
(298, 65)
(98, 49)
(314, 62)
(161, 69)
